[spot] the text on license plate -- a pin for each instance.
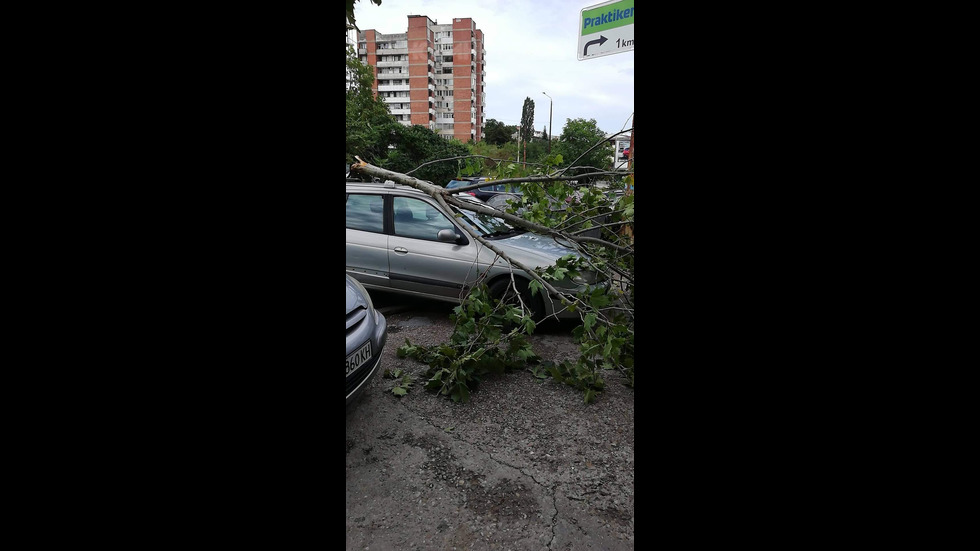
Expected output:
(362, 355)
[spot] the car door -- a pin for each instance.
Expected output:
(421, 264)
(367, 244)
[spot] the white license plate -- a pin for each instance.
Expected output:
(362, 355)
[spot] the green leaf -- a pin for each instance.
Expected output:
(525, 353)
(599, 299)
(535, 286)
(589, 321)
(460, 393)
(556, 374)
(529, 325)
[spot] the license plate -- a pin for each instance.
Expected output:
(362, 355)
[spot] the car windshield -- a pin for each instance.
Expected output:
(488, 226)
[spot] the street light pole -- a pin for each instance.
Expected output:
(550, 111)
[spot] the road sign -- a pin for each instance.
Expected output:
(605, 29)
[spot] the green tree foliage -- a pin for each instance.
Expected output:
(583, 145)
(534, 150)
(497, 133)
(490, 335)
(369, 124)
(496, 152)
(537, 150)
(527, 120)
(416, 145)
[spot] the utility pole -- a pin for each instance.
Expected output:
(551, 109)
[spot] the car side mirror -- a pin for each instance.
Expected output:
(447, 236)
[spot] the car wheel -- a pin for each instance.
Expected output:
(503, 291)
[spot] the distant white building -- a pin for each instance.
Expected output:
(351, 41)
(539, 134)
(620, 159)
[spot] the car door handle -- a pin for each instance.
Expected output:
(401, 250)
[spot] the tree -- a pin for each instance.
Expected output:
(490, 335)
(369, 123)
(494, 153)
(496, 132)
(527, 121)
(416, 146)
(534, 149)
(582, 145)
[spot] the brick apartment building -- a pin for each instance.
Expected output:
(431, 75)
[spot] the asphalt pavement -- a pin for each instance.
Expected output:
(526, 464)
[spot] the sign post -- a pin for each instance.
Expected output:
(605, 29)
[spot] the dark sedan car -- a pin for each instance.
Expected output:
(367, 331)
(484, 193)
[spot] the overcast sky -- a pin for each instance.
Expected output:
(531, 48)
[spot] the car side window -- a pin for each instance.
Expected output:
(365, 212)
(419, 220)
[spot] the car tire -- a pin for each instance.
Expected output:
(502, 290)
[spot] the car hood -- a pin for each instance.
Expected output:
(532, 249)
(354, 299)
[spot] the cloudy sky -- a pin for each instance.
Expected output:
(531, 48)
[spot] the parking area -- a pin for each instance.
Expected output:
(526, 464)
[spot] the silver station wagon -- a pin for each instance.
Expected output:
(401, 240)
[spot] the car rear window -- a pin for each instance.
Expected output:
(365, 212)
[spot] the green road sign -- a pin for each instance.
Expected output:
(605, 29)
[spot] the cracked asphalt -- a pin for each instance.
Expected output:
(524, 465)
